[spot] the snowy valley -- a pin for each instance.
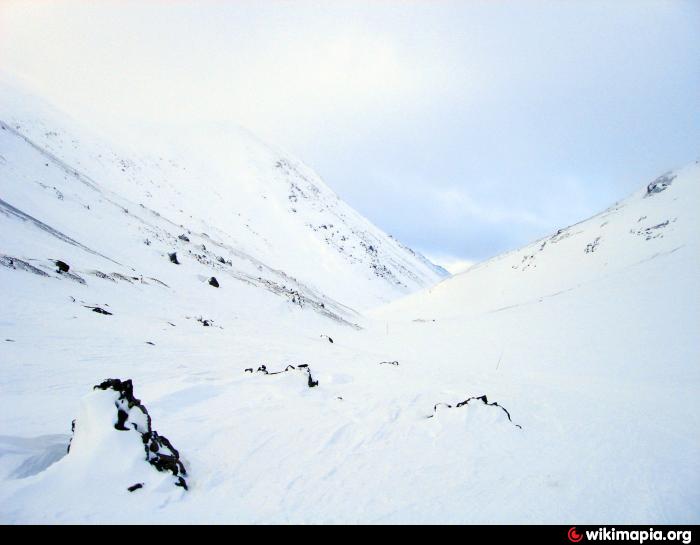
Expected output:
(307, 367)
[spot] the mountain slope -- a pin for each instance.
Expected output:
(216, 185)
(655, 222)
(589, 337)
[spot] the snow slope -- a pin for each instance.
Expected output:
(585, 344)
(590, 336)
(218, 185)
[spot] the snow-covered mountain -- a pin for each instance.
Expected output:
(556, 383)
(227, 204)
(655, 222)
(590, 338)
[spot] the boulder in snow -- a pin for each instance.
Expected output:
(115, 429)
(63, 267)
(660, 184)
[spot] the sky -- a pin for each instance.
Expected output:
(463, 128)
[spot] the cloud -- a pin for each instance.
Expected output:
(280, 68)
(455, 202)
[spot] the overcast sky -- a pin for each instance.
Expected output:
(463, 128)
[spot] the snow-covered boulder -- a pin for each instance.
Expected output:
(114, 428)
(661, 183)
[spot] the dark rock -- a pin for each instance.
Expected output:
(396, 363)
(592, 246)
(173, 258)
(184, 238)
(303, 367)
(151, 343)
(101, 311)
(481, 398)
(214, 282)
(160, 453)
(134, 487)
(660, 184)
(163, 456)
(122, 417)
(311, 382)
(652, 232)
(72, 431)
(62, 266)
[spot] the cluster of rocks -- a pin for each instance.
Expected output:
(483, 399)
(592, 246)
(652, 232)
(660, 184)
(311, 383)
